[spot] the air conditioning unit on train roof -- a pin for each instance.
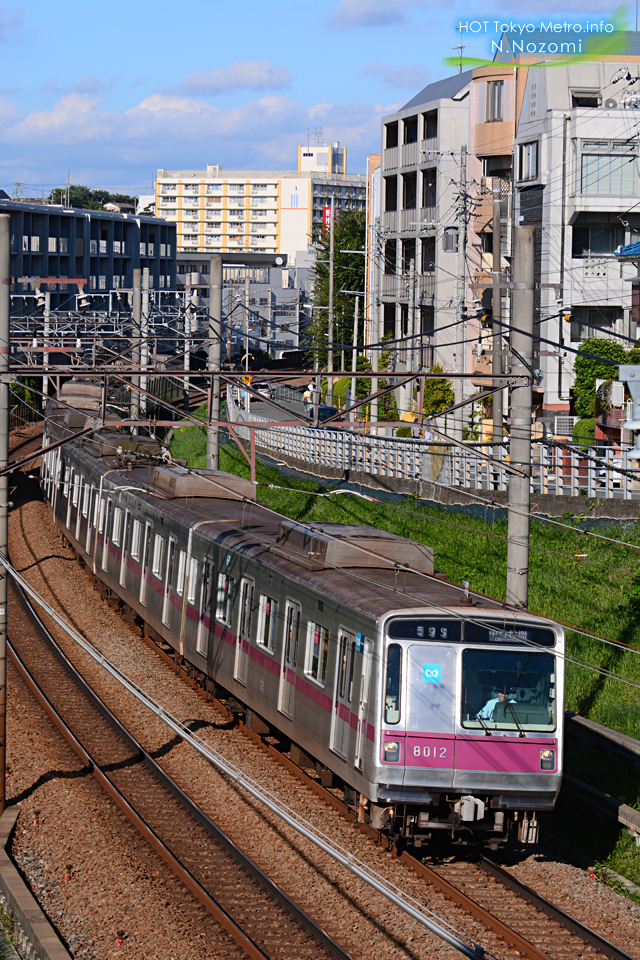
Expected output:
(350, 545)
(176, 481)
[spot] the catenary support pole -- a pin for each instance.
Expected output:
(245, 319)
(521, 398)
(215, 340)
(496, 347)
(377, 321)
(5, 303)
(332, 223)
(136, 309)
(460, 348)
(45, 353)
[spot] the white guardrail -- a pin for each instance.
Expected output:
(555, 470)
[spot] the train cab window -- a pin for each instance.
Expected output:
(267, 623)
(192, 581)
(158, 556)
(117, 524)
(508, 690)
(136, 539)
(317, 649)
(393, 684)
(224, 604)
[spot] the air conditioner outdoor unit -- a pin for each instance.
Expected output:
(610, 104)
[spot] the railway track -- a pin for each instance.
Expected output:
(531, 924)
(250, 915)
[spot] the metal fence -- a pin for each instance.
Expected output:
(555, 470)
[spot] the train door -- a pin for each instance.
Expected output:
(363, 699)
(168, 582)
(146, 551)
(244, 630)
(343, 692)
(286, 693)
(78, 495)
(430, 713)
(105, 533)
(90, 498)
(206, 596)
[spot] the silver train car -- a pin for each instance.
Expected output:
(434, 712)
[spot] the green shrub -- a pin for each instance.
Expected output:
(403, 431)
(584, 432)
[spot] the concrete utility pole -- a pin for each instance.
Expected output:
(245, 320)
(496, 348)
(187, 335)
(376, 315)
(521, 399)
(215, 340)
(5, 303)
(136, 308)
(354, 356)
(460, 328)
(329, 400)
(144, 339)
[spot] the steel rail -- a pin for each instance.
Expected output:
(557, 913)
(184, 875)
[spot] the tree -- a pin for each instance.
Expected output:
(588, 370)
(438, 394)
(349, 272)
(86, 199)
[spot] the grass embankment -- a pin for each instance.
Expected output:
(599, 593)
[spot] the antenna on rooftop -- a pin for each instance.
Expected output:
(460, 48)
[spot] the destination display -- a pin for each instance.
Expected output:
(488, 632)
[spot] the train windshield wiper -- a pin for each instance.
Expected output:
(479, 719)
(509, 704)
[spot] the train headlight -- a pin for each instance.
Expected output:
(547, 759)
(392, 751)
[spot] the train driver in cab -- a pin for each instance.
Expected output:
(486, 712)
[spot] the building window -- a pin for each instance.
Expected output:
(390, 253)
(390, 193)
(317, 648)
(430, 125)
(409, 190)
(428, 264)
(596, 241)
(411, 130)
(391, 138)
(35, 244)
(428, 188)
(495, 94)
(528, 160)
(588, 99)
(408, 254)
(587, 322)
(609, 174)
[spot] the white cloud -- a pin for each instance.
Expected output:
(9, 20)
(371, 13)
(247, 75)
(106, 148)
(408, 77)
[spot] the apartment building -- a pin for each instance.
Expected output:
(577, 180)
(95, 246)
(258, 211)
(417, 248)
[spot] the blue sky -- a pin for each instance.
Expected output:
(113, 91)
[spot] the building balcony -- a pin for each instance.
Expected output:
(409, 154)
(390, 158)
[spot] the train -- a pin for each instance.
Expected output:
(438, 711)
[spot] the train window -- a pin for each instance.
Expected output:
(101, 515)
(77, 483)
(268, 622)
(117, 523)
(192, 583)
(317, 648)
(292, 632)
(508, 690)
(246, 609)
(351, 668)
(224, 605)
(393, 684)
(182, 567)
(86, 500)
(135, 539)
(67, 474)
(105, 539)
(158, 556)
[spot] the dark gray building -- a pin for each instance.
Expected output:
(95, 246)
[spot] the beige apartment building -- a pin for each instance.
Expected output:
(258, 211)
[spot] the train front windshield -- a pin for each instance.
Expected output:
(507, 690)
